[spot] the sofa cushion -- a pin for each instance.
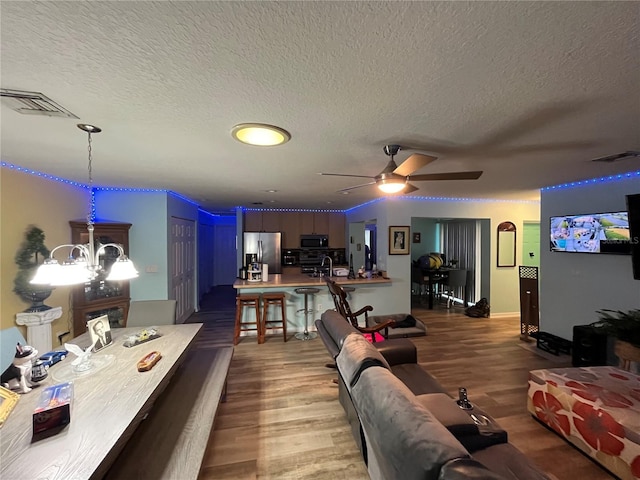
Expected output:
(327, 339)
(467, 469)
(336, 326)
(510, 463)
(418, 380)
(398, 351)
(404, 440)
(357, 355)
(449, 414)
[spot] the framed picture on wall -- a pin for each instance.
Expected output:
(399, 240)
(416, 237)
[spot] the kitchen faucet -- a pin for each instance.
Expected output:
(330, 264)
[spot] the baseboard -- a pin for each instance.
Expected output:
(504, 314)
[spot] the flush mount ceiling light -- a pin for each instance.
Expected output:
(86, 265)
(260, 134)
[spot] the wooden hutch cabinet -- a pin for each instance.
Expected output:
(100, 297)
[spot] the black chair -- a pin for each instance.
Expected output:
(457, 279)
(422, 281)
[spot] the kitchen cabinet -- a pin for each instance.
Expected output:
(337, 233)
(314, 223)
(271, 222)
(291, 229)
(294, 224)
(100, 297)
(252, 221)
(257, 221)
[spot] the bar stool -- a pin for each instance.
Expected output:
(306, 291)
(274, 299)
(249, 300)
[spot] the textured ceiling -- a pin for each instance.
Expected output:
(528, 92)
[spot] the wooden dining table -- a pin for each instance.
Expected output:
(107, 406)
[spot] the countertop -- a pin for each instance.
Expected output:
(303, 280)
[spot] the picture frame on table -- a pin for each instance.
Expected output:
(399, 240)
(100, 332)
(8, 400)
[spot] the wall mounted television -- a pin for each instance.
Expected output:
(591, 233)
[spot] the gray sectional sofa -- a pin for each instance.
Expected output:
(404, 422)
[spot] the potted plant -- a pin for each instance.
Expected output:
(625, 327)
(31, 253)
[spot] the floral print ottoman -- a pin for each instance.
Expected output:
(597, 409)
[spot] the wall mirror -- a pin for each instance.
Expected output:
(506, 244)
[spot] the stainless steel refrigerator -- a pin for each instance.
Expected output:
(267, 247)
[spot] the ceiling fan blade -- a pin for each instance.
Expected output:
(413, 163)
(447, 176)
(355, 186)
(410, 188)
(344, 175)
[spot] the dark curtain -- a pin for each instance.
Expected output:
(459, 241)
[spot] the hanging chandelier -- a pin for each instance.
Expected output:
(85, 266)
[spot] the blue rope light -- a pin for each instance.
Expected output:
(215, 215)
(315, 210)
(43, 175)
(594, 181)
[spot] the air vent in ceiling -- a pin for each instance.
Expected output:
(617, 156)
(33, 103)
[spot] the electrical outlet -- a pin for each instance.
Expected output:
(319, 307)
(60, 335)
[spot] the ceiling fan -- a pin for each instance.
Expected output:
(394, 178)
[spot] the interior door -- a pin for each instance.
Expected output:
(183, 266)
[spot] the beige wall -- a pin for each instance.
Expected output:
(25, 200)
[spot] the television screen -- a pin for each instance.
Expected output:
(591, 233)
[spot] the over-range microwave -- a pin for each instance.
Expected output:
(314, 241)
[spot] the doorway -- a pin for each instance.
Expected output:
(370, 242)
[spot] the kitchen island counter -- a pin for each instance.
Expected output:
(303, 280)
(368, 291)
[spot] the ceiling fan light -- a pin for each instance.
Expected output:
(391, 187)
(260, 134)
(391, 183)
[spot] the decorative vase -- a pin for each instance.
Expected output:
(37, 298)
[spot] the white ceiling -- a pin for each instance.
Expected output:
(528, 92)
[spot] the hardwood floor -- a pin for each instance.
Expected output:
(282, 419)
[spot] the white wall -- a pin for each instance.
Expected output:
(504, 284)
(573, 286)
(429, 231)
(147, 237)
